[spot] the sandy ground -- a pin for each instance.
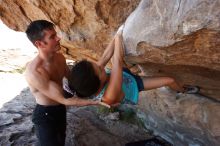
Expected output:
(12, 64)
(11, 85)
(12, 82)
(15, 51)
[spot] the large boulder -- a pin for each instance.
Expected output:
(178, 39)
(176, 32)
(177, 35)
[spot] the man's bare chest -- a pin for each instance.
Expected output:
(56, 72)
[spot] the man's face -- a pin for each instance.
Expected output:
(50, 42)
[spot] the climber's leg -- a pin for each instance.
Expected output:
(156, 82)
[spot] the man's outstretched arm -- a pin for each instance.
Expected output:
(41, 81)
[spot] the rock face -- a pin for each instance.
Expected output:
(183, 119)
(177, 32)
(178, 38)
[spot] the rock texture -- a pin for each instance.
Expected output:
(181, 119)
(177, 32)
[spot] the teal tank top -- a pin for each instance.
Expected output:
(129, 87)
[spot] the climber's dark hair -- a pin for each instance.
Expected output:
(35, 29)
(83, 79)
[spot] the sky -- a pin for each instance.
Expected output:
(12, 39)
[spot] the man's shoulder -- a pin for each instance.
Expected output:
(30, 72)
(31, 65)
(32, 68)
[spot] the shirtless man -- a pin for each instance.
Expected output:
(44, 75)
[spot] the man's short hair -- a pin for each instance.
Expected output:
(83, 79)
(35, 29)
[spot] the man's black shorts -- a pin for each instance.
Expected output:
(50, 124)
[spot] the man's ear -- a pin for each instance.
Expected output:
(39, 44)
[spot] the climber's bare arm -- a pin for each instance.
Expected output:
(114, 93)
(107, 54)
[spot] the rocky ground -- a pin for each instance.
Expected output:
(86, 126)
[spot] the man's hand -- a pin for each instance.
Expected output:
(108, 106)
(104, 104)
